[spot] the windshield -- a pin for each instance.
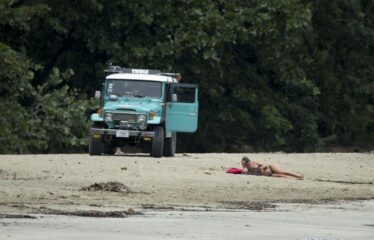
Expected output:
(134, 88)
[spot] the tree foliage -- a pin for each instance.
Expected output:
(274, 75)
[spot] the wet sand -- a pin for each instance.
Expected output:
(353, 221)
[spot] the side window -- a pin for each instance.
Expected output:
(184, 94)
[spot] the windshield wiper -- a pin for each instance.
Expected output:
(138, 96)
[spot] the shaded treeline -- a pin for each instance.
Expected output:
(279, 75)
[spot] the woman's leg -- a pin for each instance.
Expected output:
(266, 171)
(276, 169)
(282, 176)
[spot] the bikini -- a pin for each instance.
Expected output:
(255, 171)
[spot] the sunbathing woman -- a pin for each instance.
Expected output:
(271, 170)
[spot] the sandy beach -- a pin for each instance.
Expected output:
(190, 196)
(39, 183)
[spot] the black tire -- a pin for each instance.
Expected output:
(170, 145)
(157, 148)
(95, 146)
(108, 149)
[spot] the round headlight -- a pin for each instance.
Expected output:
(108, 117)
(142, 121)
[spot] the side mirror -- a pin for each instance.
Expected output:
(174, 97)
(97, 94)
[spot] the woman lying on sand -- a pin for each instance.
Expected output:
(271, 170)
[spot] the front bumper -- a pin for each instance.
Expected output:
(132, 133)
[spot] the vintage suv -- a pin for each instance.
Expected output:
(145, 108)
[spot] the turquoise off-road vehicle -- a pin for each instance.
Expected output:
(143, 108)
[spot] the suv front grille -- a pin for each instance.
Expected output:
(130, 118)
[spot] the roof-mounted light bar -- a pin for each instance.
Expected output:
(117, 69)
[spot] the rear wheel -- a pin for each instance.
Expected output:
(170, 145)
(157, 148)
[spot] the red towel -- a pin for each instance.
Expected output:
(234, 171)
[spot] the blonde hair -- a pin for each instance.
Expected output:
(245, 159)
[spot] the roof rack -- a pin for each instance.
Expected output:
(118, 69)
(177, 76)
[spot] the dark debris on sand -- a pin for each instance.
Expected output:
(18, 216)
(107, 187)
(253, 206)
(91, 213)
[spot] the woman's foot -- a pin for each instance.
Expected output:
(300, 178)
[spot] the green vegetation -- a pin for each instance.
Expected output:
(274, 75)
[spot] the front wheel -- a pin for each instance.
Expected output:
(108, 149)
(170, 145)
(95, 146)
(157, 148)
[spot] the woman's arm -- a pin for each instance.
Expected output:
(260, 164)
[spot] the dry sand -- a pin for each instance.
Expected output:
(38, 183)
